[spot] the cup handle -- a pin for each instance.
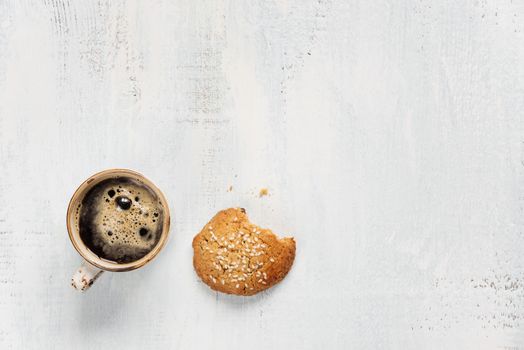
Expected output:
(85, 276)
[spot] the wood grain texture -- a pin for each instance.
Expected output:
(390, 135)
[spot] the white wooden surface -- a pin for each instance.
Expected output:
(390, 135)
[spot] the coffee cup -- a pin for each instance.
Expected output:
(118, 221)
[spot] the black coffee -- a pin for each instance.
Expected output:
(120, 219)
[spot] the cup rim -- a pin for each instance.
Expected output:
(90, 256)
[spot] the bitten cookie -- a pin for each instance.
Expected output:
(234, 256)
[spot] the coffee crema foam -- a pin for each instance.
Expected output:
(120, 219)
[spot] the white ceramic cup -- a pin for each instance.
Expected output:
(93, 265)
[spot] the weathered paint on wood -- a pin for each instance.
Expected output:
(390, 136)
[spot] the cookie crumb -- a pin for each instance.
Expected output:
(230, 188)
(263, 192)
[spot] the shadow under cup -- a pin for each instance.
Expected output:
(73, 220)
